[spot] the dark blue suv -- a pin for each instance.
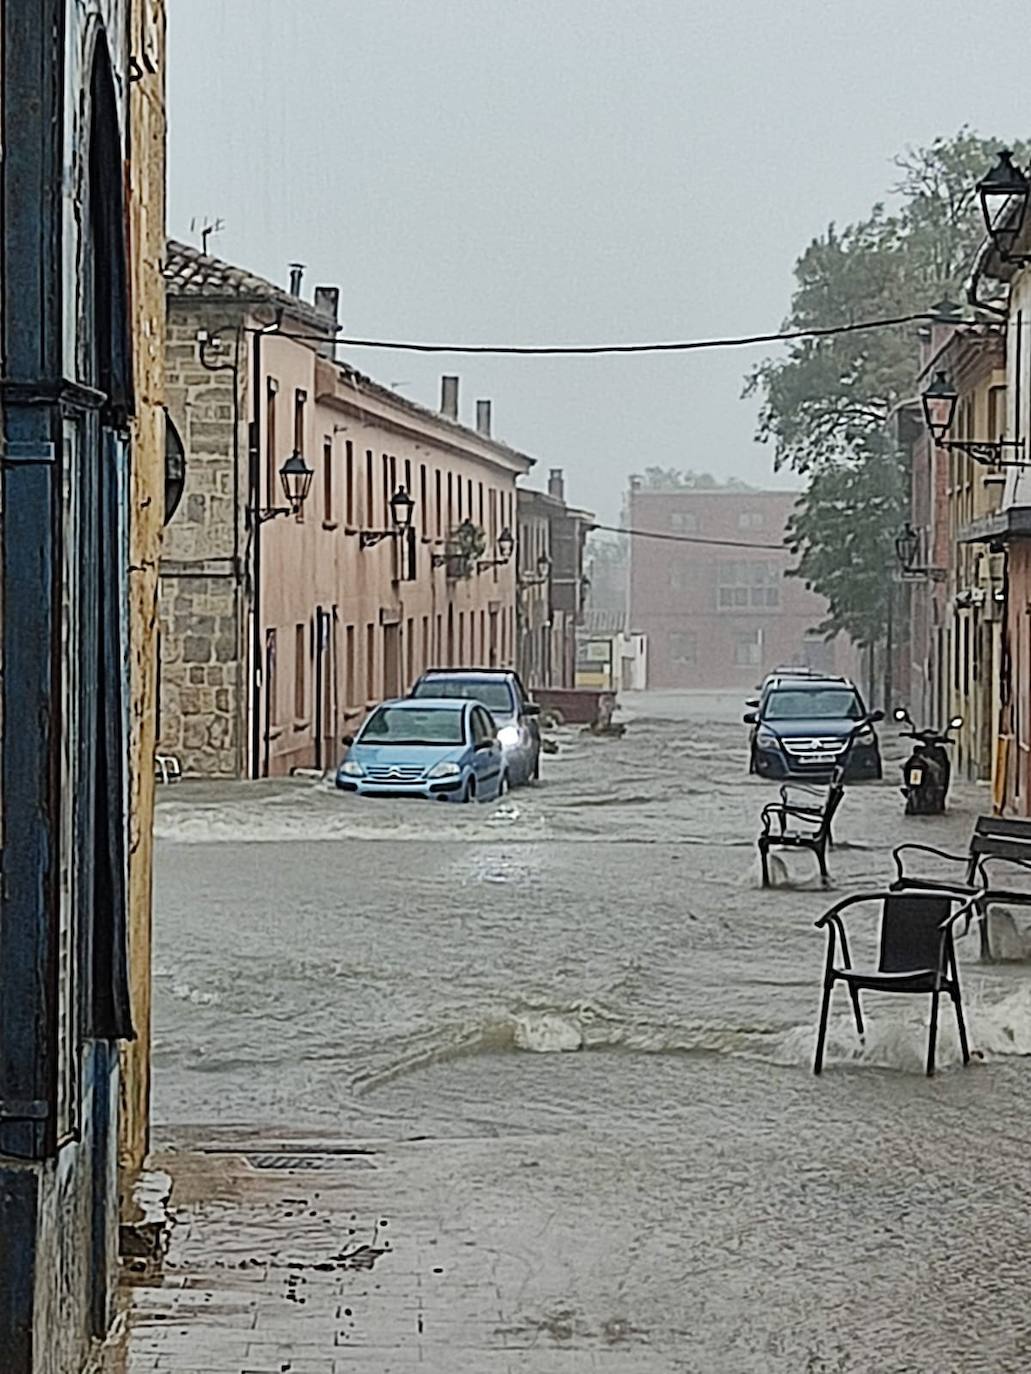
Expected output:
(802, 730)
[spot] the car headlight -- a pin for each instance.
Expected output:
(350, 769)
(766, 739)
(444, 770)
(508, 736)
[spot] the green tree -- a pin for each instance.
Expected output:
(825, 401)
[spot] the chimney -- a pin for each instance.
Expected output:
(449, 397)
(327, 303)
(483, 418)
(557, 484)
(296, 277)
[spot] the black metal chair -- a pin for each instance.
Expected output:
(916, 955)
(810, 825)
(996, 840)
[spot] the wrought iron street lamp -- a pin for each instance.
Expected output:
(295, 477)
(909, 551)
(939, 402)
(543, 573)
(402, 508)
(505, 546)
(1004, 192)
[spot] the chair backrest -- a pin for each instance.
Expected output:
(1002, 837)
(911, 934)
(835, 793)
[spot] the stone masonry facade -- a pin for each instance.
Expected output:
(202, 593)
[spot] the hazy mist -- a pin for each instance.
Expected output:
(581, 171)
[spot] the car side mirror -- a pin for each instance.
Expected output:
(750, 718)
(347, 739)
(875, 716)
(531, 708)
(483, 744)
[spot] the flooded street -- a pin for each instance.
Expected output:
(583, 994)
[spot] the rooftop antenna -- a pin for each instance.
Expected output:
(207, 228)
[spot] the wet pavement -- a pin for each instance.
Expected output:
(574, 1036)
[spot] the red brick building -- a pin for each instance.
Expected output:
(722, 616)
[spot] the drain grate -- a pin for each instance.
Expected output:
(308, 1162)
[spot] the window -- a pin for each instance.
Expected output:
(370, 663)
(300, 663)
(271, 679)
(271, 467)
(350, 680)
(458, 512)
(683, 646)
(748, 649)
(424, 514)
(349, 482)
(408, 476)
(747, 585)
(750, 520)
(327, 481)
(450, 507)
(388, 490)
(410, 651)
(300, 400)
(683, 521)
(439, 504)
(481, 507)
(370, 512)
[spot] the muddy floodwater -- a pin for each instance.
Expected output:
(589, 972)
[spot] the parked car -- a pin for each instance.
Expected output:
(802, 729)
(501, 691)
(442, 748)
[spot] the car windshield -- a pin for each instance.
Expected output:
(496, 696)
(402, 725)
(827, 703)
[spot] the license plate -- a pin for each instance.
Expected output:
(916, 777)
(815, 758)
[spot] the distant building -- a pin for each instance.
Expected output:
(714, 615)
(550, 583)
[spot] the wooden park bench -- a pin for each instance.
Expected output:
(792, 824)
(997, 840)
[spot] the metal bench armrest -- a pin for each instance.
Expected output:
(901, 849)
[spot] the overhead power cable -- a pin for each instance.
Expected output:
(674, 346)
(687, 538)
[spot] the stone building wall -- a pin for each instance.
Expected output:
(146, 206)
(202, 625)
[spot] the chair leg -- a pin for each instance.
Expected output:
(961, 1027)
(932, 1036)
(858, 1012)
(821, 1034)
(821, 859)
(982, 926)
(764, 860)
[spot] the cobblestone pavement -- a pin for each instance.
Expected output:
(283, 1261)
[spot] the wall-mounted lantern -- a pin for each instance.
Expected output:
(939, 403)
(505, 546)
(912, 561)
(1004, 192)
(295, 476)
(543, 573)
(402, 507)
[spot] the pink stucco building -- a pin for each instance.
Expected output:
(341, 621)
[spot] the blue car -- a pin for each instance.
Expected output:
(440, 748)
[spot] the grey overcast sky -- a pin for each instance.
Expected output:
(569, 171)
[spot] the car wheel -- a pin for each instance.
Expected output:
(535, 772)
(503, 786)
(469, 794)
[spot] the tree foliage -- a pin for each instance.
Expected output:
(825, 401)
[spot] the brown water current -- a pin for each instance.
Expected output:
(588, 977)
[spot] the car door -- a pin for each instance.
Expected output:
(486, 750)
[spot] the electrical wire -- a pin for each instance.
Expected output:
(687, 538)
(589, 350)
